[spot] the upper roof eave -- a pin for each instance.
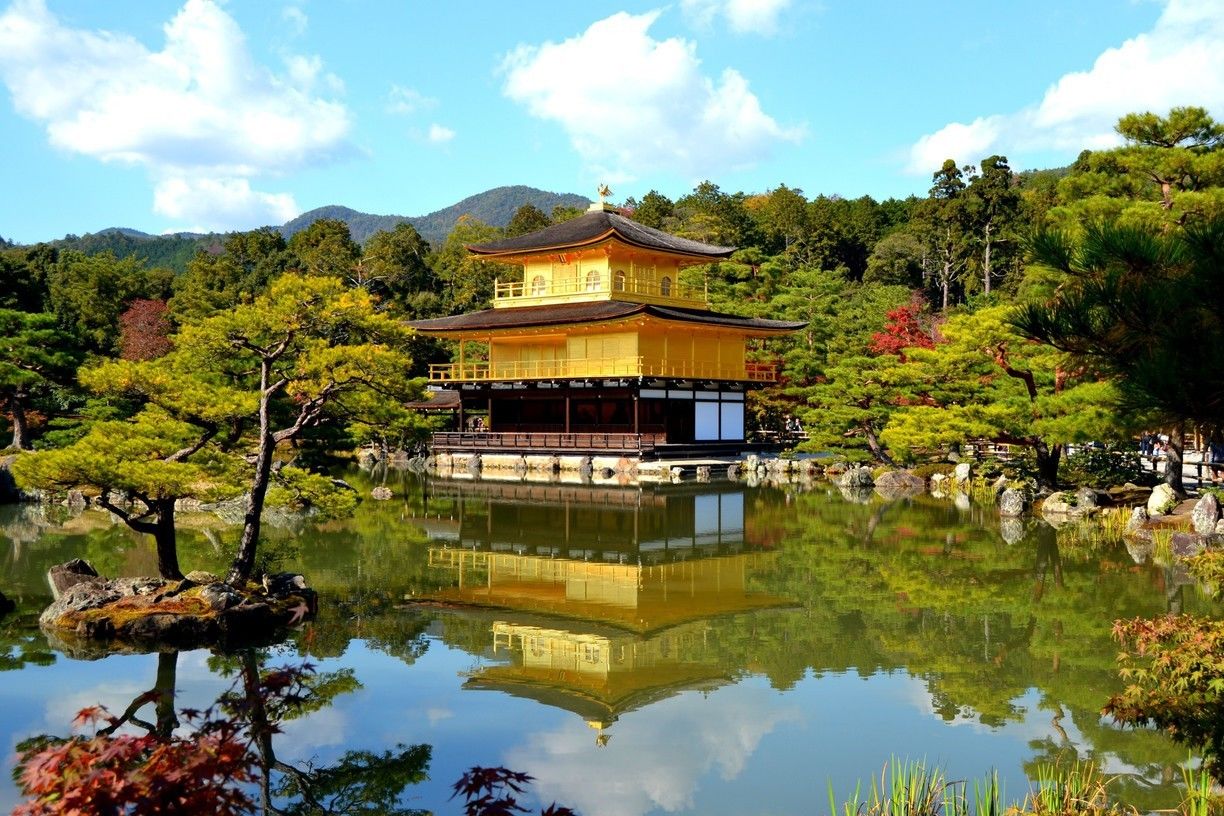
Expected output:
(594, 227)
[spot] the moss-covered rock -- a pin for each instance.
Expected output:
(145, 614)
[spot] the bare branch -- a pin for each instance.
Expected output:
(210, 430)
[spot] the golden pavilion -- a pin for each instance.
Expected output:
(600, 348)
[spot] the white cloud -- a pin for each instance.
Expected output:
(295, 20)
(220, 203)
(640, 770)
(652, 110)
(1179, 62)
(439, 134)
(407, 101)
(200, 111)
(743, 16)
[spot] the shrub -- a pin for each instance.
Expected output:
(1103, 467)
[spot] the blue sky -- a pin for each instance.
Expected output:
(200, 114)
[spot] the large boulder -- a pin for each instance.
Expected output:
(1205, 515)
(1086, 498)
(856, 479)
(1136, 526)
(1058, 504)
(962, 472)
(1187, 545)
(1162, 500)
(897, 484)
(1013, 502)
(63, 577)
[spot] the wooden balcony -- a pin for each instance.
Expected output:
(632, 367)
(538, 442)
(598, 286)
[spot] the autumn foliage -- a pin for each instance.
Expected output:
(902, 331)
(495, 792)
(139, 774)
(144, 330)
(1174, 670)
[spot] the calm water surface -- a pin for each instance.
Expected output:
(714, 649)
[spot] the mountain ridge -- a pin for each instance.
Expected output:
(494, 206)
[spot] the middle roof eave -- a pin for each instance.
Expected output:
(522, 317)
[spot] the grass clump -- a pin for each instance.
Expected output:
(910, 788)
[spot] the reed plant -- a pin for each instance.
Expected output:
(910, 788)
(982, 491)
(1162, 547)
(1113, 521)
(1201, 798)
(1078, 789)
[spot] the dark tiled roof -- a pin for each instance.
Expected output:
(591, 312)
(594, 227)
(436, 401)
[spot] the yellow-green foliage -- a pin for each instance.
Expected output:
(974, 390)
(130, 456)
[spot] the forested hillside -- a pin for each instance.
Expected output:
(494, 207)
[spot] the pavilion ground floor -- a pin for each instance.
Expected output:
(628, 417)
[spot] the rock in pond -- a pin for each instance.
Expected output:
(897, 484)
(856, 478)
(1205, 515)
(1013, 502)
(1162, 500)
(94, 614)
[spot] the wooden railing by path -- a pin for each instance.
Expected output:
(544, 442)
(577, 368)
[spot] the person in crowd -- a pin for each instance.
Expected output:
(1215, 454)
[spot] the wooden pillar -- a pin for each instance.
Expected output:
(636, 416)
(567, 410)
(489, 421)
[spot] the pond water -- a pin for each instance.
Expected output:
(693, 648)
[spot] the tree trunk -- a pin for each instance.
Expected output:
(1047, 464)
(244, 561)
(986, 262)
(21, 428)
(167, 540)
(261, 726)
(873, 444)
(165, 686)
(1173, 462)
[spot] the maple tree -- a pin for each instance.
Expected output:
(144, 330)
(495, 792)
(902, 331)
(213, 760)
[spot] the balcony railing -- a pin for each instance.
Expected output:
(601, 367)
(601, 284)
(546, 442)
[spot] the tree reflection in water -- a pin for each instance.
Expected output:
(220, 760)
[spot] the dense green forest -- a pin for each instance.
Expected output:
(1034, 309)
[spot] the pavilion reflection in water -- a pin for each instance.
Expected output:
(601, 600)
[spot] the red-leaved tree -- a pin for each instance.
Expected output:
(144, 330)
(902, 331)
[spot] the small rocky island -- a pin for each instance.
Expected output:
(91, 614)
